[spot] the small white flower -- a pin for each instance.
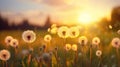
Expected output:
(14, 43)
(74, 47)
(80, 54)
(53, 25)
(83, 40)
(47, 38)
(4, 55)
(98, 53)
(116, 42)
(53, 30)
(96, 41)
(74, 32)
(105, 66)
(25, 52)
(29, 36)
(63, 32)
(110, 27)
(114, 65)
(118, 31)
(113, 56)
(67, 47)
(48, 29)
(8, 40)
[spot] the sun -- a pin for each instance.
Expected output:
(85, 18)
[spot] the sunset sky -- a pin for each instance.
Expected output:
(65, 11)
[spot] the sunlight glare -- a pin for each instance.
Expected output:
(85, 18)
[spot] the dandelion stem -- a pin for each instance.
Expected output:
(82, 56)
(117, 52)
(56, 57)
(3, 63)
(6, 64)
(90, 57)
(76, 57)
(29, 60)
(65, 59)
(100, 62)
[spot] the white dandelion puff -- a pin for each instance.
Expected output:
(118, 31)
(83, 40)
(14, 43)
(67, 47)
(96, 41)
(47, 38)
(116, 42)
(74, 47)
(5, 55)
(74, 32)
(53, 30)
(98, 53)
(8, 40)
(63, 32)
(29, 36)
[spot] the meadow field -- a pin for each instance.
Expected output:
(59, 56)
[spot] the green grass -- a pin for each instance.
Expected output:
(108, 57)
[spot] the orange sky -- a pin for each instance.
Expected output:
(65, 11)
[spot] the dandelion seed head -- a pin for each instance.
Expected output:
(28, 36)
(5, 55)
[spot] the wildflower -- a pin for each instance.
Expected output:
(83, 40)
(67, 47)
(53, 25)
(46, 57)
(48, 29)
(96, 41)
(25, 52)
(14, 43)
(47, 38)
(98, 53)
(8, 40)
(4, 55)
(74, 32)
(118, 31)
(115, 42)
(29, 36)
(74, 47)
(53, 30)
(63, 32)
(110, 27)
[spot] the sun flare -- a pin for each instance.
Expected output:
(85, 18)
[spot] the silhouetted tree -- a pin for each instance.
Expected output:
(3, 24)
(104, 24)
(115, 18)
(47, 23)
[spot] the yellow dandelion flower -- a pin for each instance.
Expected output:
(4, 55)
(74, 32)
(63, 32)
(29, 36)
